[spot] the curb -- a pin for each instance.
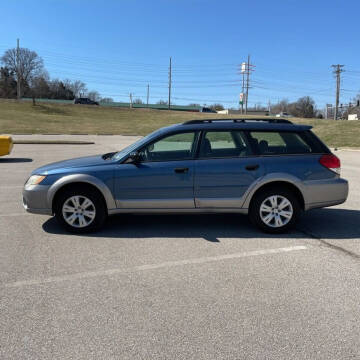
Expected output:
(53, 142)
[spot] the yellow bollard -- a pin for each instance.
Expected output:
(6, 144)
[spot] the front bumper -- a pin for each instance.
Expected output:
(35, 199)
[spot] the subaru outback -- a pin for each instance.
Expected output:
(270, 169)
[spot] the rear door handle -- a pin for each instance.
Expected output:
(252, 167)
(181, 170)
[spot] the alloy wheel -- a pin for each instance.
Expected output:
(276, 211)
(79, 211)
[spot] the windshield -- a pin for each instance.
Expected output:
(135, 145)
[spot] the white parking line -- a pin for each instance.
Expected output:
(15, 214)
(167, 264)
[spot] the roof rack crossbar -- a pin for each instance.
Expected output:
(276, 121)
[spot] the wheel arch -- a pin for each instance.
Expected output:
(84, 181)
(290, 185)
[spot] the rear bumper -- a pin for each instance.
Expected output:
(323, 193)
(35, 199)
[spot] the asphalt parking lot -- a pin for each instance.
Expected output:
(175, 287)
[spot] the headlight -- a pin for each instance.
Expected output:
(35, 179)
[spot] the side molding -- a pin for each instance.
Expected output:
(110, 202)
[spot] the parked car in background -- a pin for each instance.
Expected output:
(85, 101)
(283, 115)
(270, 169)
(6, 145)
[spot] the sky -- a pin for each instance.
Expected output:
(117, 47)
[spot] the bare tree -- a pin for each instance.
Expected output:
(216, 107)
(304, 107)
(26, 66)
(161, 102)
(281, 106)
(137, 101)
(93, 95)
(77, 87)
(107, 100)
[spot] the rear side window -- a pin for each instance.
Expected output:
(222, 144)
(278, 142)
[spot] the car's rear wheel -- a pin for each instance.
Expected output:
(275, 210)
(80, 211)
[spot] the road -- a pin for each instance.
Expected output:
(175, 287)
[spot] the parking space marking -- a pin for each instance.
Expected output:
(15, 214)
(167, 264)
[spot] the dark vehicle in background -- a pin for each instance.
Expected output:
(85, 101)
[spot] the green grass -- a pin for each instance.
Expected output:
(24, 118)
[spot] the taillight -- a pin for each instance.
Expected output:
(331, 162)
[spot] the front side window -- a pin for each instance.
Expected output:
(277, 143)
(173, 147)
(219, 144)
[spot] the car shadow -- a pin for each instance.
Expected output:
(15, 160)
(332, 223)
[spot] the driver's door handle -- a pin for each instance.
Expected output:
(181, 170)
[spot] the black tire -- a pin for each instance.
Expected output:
(98, 203)
(255, 216)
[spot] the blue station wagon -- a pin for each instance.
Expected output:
(270, 169)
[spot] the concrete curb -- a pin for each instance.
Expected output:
(77, 134)
(54, 142)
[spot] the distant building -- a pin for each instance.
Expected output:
(353, 117)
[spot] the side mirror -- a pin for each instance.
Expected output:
(134, 158)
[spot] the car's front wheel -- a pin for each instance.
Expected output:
(80, 211)
(275, 210)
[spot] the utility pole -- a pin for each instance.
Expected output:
(242, 70)
(131, 103)
(147, 96)
(169, 101)
(18, 77)
(247, 84)
(338, 70)
(242, 92)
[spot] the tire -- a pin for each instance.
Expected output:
(86, 210)
(269, 213)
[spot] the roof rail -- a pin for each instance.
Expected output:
(276, 121)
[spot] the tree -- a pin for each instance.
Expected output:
(58, 90)
(40, 88)
(107, 100)
(304, 107)
(281, 106)
(162, 102)
(29, 64)
(137, 101)
(93, 95)
(7, 83)
(216, 107)
(77, 87)
(194, 105)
